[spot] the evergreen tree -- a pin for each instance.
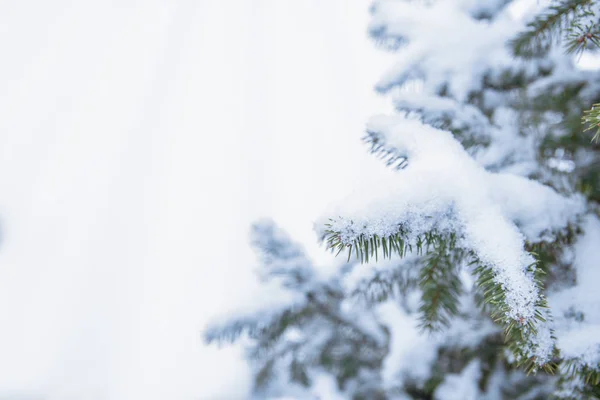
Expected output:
(484, 240)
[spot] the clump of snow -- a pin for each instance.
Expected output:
(536, 209)
(444, 190)
(411, 353)
(463, 386)
(366, 322)
(483, 9)
(436, 110)
(508, 147)
(565, 75)
(496, 142)
(451, 50)
(542, 347)
(324, 387)
(577, 309)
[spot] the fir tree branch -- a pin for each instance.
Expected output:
(440, 285)
(298, 373)
(466, 122)
(279, 255)
(591, 118)
(546, 28)
(270, 329)
(520, 333)
(264, 374)
(364, 246)
(387, 284)
(565, 18)
(388, 154)
(575, 368)
(580, 37)
(337, 319)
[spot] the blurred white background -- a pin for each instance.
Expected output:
(138, 141)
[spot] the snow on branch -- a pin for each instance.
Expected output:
(452, 50)
(284, 263)
(279, 255)
(495, 141)
(444, 195)
(446, 113)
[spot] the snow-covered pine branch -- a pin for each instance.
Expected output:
(454, 63)
(309, 329)
(465, 120)
(280, 257)
(444, 196)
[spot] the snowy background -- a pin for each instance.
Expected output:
(138, 141)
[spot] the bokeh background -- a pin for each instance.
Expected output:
(138, 141)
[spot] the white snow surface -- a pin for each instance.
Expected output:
(138, 141)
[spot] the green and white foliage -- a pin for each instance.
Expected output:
(495, 175)
(472, 268)
(572, 23)
(313, 335)
(447, 206)
(370, 333)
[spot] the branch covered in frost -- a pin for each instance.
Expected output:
(268, 325)
(450, 52)
(591, 118)
(383, 280)
(464, 120)
(441, 194)
(279, 255)
(313, 330)
(280, 259)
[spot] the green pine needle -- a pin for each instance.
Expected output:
(546, 29)
(591, 118)
(441, 286)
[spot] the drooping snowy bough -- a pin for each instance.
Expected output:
(443, 201)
